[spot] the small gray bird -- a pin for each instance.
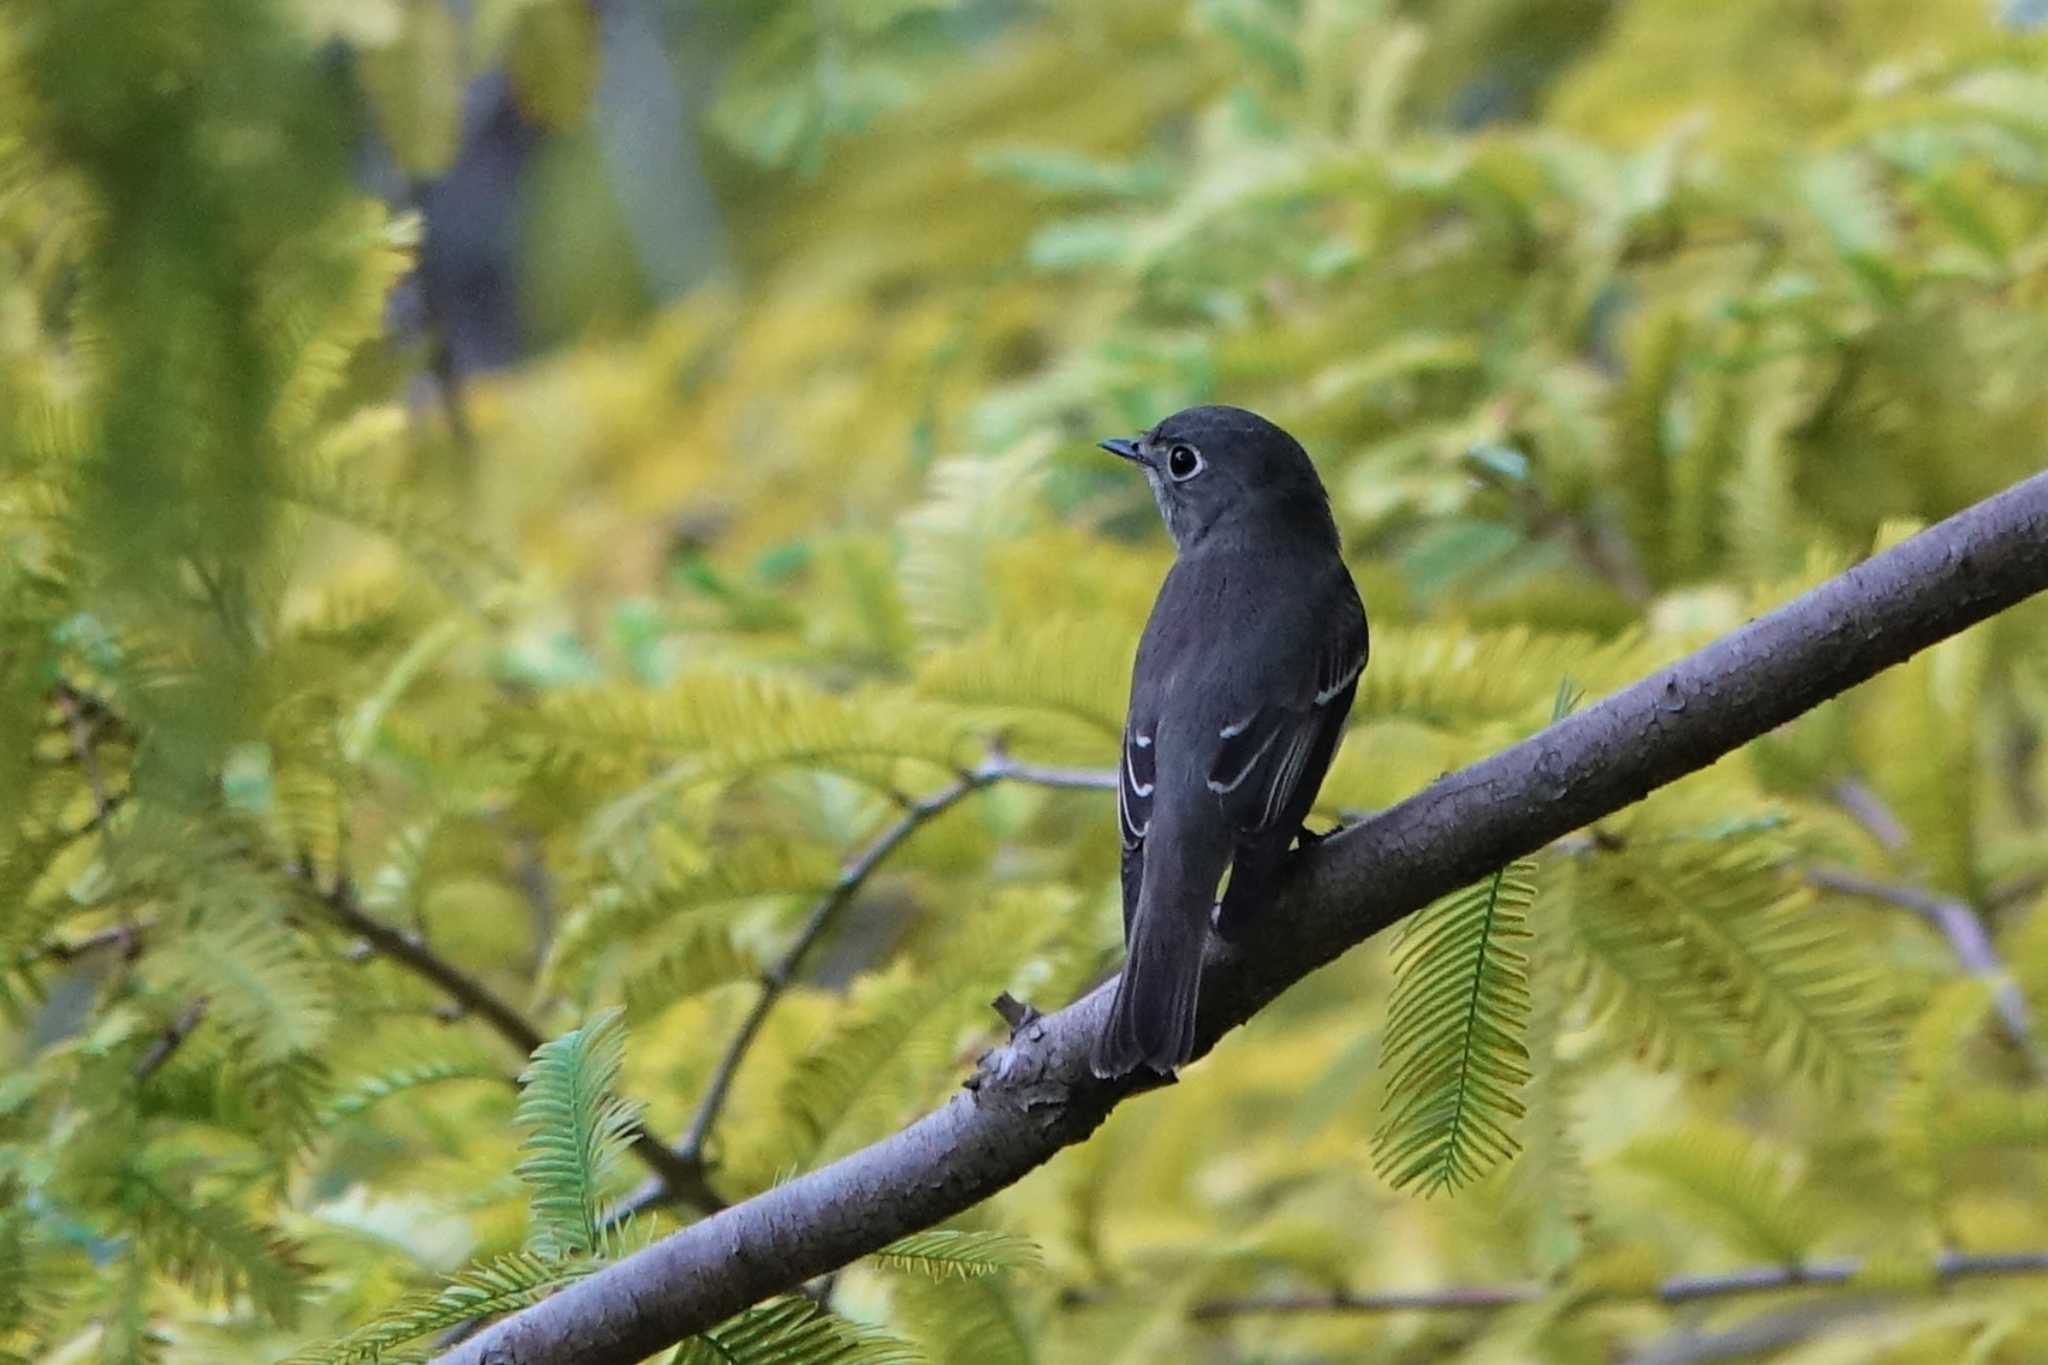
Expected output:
(1244, 676)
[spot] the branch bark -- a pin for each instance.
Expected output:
(1035, 1095)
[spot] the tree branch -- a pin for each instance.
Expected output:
(1955, 920)
(410, 951)
(1964, 930)
(127, 937)
(79, 726)
(1036, 1094)
(171, 1039)
(1755, 1337)
(1947, 1267)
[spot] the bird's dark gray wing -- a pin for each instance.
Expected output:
(1134, 788)
(1272, 759)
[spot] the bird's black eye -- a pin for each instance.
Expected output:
(1183, 462)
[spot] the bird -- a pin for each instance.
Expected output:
(1240, 688)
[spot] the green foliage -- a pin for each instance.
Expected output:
(795, 1331)
(577, 1129)
(1454, 1047)
(731, 726)
(500, 1286)
(212, 1247)
(326, 687)
(974, 1320)
(705, 959)
(1699, 940)
(946, 1254)
(401, 1077)
(831, 1080)
(685, 898)
(255, 978)
(1735, 1181)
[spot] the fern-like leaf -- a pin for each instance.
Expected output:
(793, 1331)
(974, 505)
(1639, 983)
(1549, 1180)
(1735, 1179)
(40, 832)
(746, 871)
(1454, 1052)
(217, 1080)
(482, 1291)
(335, 480)
(1063, 668)
(323, 302)
(729, 725)
(830, 1081)
(1842, 192)
(957, 1321)
(256, 977)
(1921, 749)
(128, 1339)
(214, 1249)
(577, 1130)
(27, 918)
(709, 957)
(1981, 1117)
(1457, 677)
(1932, 1065)
(954, 1254)
(410, 1075)
(1712, 939)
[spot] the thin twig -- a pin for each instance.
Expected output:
(1002, 768)
(1609, 558)
(1947, 1267)
(1964, 930)
(539, 889)
(409, 950)
(127, 937)
(1754, 1337)
(82, 747)
(1458, 1298)
(171, 1039)
(1872, 813)
(1955, 920)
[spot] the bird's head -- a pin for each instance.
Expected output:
(1220, 470)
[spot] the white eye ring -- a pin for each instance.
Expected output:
(1183, 462)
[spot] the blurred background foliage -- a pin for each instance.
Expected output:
(533, 486)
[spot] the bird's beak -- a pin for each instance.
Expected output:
(1117, 445)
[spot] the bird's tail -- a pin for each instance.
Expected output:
(1152, 1018)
